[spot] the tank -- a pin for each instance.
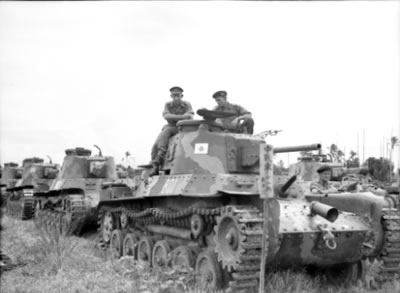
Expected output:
(207, 210)
(71, 202)
(37, 176)
(10, 174)
(308, 164)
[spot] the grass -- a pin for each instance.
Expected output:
(49, 262)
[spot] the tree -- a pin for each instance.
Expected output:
(353, 161)
(380, 169)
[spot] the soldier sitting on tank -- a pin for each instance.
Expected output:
(174, 111)
(323, 185)
(242, 122)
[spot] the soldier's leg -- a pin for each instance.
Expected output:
(248, 126)
(162, 146)
(166, 134)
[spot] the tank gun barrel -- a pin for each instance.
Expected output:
(289, 183)
(289, 149)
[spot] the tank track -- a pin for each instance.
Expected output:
(390, 267)
(245, 276)
(246, 270)
(77, 213)
(23, 208)
(156, 215)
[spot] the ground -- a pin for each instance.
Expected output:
(46, 262)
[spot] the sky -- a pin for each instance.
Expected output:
(83, 73)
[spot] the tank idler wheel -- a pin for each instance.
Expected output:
(116, 242)
(108, 226)
(184, 257)
(66, 222)
(144, 251)
(160, 255)
(197, 225)
(208, 271)
(124, 220)
(129, 247)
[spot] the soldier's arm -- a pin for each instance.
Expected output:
(314, 188)
(244, 114)
(176, 117)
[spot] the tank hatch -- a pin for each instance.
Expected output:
(78, 151)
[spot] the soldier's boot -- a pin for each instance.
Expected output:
(156, 162)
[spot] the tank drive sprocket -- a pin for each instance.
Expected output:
(237, 233)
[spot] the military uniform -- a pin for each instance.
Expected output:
(248, 123)
(160, 146)
(169, 130)
(321, 185)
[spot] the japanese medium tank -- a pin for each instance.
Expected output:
(10, 174)
(37, 176)
(206, 211)
(308, 164)
(71, 202)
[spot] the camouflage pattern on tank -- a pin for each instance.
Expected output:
(72, 199)
(37, 176)
(204, 211)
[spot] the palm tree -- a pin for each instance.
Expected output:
(394, 142)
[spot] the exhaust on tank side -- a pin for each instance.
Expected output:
(170, 231)
(326, 211)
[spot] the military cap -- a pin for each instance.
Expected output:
(175, 89)
(324, 168)
(220, 94)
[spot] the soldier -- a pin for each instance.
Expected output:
(242, 122)
(323, 185)
(174, 111)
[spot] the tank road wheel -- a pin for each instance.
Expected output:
(183, 257)
(160, 253)
(208, 271)
(107, 227)
(144, 251)
(124, 220)
(129, 247)
(116, 242)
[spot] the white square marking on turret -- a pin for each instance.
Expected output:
(201, 148)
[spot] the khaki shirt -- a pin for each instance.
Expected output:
(182, 108)
(237, 109)
(319, 185)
